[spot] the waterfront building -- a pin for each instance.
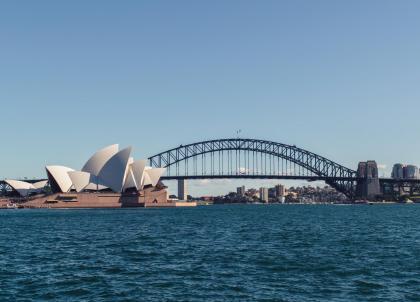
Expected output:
(398, 171)
(240, 191)
(411, 172)
(24, 188)
(108, 170)
(280, 191)
(401, 171)
(253, 193)
(264, 194)
(110, 178)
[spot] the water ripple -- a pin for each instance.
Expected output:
(219, 253)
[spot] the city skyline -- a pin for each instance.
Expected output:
(339, 80)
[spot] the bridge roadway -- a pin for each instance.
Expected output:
(246, 176)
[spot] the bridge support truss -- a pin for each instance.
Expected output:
(252, 158)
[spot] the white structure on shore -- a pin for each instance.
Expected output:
(107, 169)
(59, 178)
(25, 188)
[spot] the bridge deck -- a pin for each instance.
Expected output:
(239, 176)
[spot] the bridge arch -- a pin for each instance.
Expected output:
(220, 153)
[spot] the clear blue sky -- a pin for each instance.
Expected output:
(340, 78)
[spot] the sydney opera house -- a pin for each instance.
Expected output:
(110, 178)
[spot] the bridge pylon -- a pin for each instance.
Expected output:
(368, 186)
(182, 189)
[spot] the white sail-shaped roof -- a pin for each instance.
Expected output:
(60, 176)
(99, 159)
(107, 168)
(138, 168)
(130, 182)
(155, 174)
(113, 172)
(40, 184)
(79, 179)
(146, 178)
(127, 171)
(22, 187)
(95, 186)
(85, 181)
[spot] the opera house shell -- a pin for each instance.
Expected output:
(108, 170)
(24, 188)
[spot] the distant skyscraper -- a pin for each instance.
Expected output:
(398, 171)
(240, 191)
(264, 194)
(411, 172)
(280, 191)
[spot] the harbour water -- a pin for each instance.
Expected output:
(214, 253)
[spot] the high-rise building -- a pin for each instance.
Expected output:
(264, 194)
(182, 189)
(411, 172)
(280, 191)
(398, 171)
(240, 191)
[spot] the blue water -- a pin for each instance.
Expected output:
(214, 253)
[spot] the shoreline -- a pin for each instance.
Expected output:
(188, 205)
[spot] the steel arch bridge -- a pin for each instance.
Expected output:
(252, 158)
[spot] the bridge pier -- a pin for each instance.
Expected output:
(368, 187)
(182, 189)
